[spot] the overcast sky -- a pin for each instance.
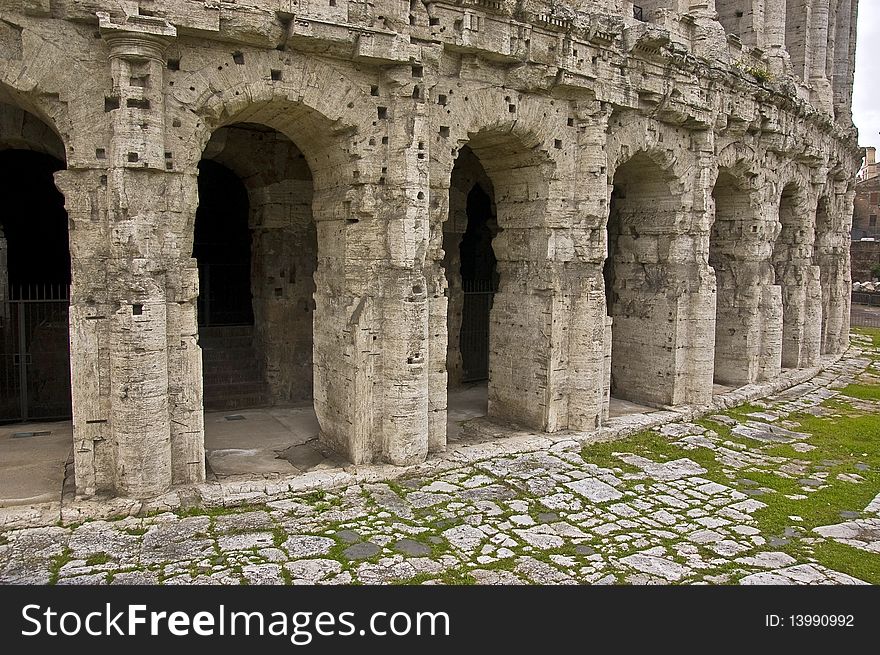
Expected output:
(866, 100)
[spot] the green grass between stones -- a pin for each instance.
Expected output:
(846, 443)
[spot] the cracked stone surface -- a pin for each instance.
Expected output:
(676, 512)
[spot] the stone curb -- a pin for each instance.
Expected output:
(503, 441)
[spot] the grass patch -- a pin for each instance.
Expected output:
(56, 563)
(862, 391)
(97, 559)
(647, 444)
(135, 532)
(741, 412)
(279, 536)
(874, 333)
(852, 561)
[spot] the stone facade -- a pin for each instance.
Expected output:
(670, 202)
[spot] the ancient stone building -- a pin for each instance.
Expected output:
(634, 201)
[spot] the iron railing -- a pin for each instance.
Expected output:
(35, 356)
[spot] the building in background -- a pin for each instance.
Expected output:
(865, 248)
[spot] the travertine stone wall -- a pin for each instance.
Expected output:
(708, 150)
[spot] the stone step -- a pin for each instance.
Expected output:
(232, 375)
(239, 342)
(232, 378)
(242, 401)
(219, 331)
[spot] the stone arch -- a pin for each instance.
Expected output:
(46, 118)
(321, 113)
(321, 108)
(526, 148)
(643, 281)
(798, 279)
(738, 249)
(520, 186)
(282, 261)
(35, 267)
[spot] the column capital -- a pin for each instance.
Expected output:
(138, 37)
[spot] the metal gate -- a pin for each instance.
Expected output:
(474, 344)
(35, 360)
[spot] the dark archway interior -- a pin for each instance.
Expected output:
(613, 234)
(222, 247)
(34, 280)
(33, 219)
(479, 282)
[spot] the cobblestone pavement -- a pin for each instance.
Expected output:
(784, 491)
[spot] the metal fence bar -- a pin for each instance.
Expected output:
(35, 361)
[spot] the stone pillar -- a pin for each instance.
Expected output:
(345, 332)
(799, 282)
(739, 251)
(692, 281)
(86, 202)
(774, 36)
(844, 59)
(822, 94)
(151, 384)
(371, 316)
(589, 342)
(404, 293)
(832, 258)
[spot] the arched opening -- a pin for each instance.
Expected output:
(35, 276)
(222, 246)
(792, 252)
(34, 281)
(499, 189)
(736, 355)
(472, 276)
(826, 258)
(640, 294)
(256, 245)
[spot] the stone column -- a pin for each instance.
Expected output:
(844, 59)
(587, 382)
(822, 94)
(774, 36)
(801, 292)
(140, 197)
(689, 272)
(403, 286)
(85, 199)
(832, 257)
(371, 316)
